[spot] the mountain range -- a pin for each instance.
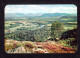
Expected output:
(15, 15)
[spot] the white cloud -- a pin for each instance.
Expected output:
(38, 9)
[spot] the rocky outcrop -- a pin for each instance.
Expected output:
(17, 50)
(22, 49)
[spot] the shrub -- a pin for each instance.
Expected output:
(8, 46)
(29, 44)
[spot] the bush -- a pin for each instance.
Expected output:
(29, 44)
(56, 29)
(8, 46)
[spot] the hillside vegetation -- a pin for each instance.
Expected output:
(47, 33)
(13, 46)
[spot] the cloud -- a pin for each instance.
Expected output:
(39, 9)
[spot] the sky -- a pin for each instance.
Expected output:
(41, 8)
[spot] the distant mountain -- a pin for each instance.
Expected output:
(20, 15)
(55, 14)
(13, 15)
(33, 14)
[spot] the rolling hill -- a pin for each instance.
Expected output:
(20, 15)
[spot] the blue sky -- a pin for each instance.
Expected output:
(43, 8)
